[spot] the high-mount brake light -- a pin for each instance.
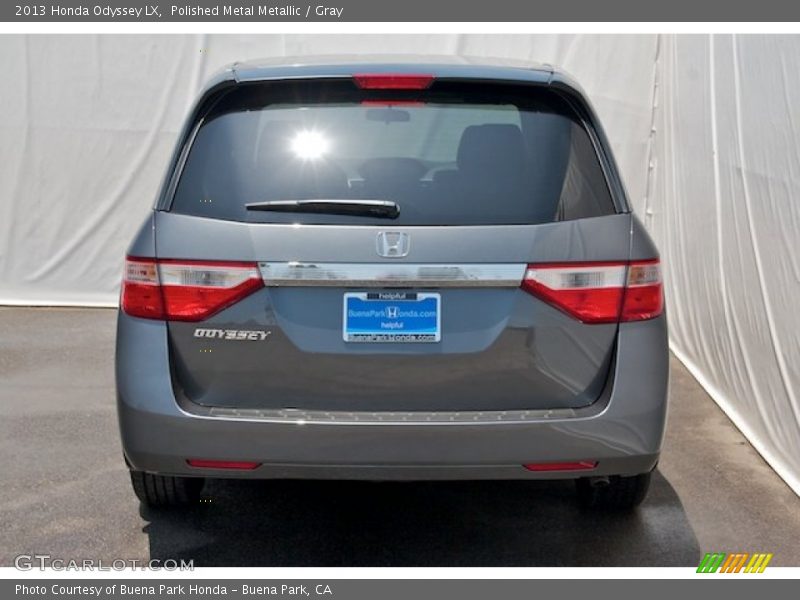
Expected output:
(599, 292)
(185, 290)
(393, 81)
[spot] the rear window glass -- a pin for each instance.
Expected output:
(456, 154)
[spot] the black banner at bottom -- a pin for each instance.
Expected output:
(386, 589)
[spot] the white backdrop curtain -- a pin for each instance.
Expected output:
(706, 130)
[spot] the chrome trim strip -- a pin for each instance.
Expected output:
(370, 275)
(300, 416)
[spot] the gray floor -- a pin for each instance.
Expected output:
(64, 489)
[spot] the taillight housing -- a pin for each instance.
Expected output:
(185, 290)
(141, 294)
(599, 292)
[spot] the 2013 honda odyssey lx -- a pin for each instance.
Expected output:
(410, 270)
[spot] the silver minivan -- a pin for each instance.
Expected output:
(408, 268)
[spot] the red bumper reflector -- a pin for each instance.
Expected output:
(241, 465)
(581, 465)
(392, 81)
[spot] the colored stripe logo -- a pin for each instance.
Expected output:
(737, 562)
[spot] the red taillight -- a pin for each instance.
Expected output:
(181, 290)
(644, 294)
(241, 465)
(141, 294)
(580, 465)
(599, 292)
(393, 81)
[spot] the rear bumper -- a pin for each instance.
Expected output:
(622, 432)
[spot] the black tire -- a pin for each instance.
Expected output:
(164, 491)
(621, 493)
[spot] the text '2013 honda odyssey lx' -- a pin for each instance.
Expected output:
(392, 270)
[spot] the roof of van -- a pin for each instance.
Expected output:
(347, 65)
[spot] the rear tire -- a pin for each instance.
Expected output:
(163, 491)
(621, 493)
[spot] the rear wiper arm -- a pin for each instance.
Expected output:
(384, 209)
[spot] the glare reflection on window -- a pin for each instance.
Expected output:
(310, 145)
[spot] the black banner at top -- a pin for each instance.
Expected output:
(402, 11)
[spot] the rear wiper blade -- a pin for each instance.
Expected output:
(384, 209)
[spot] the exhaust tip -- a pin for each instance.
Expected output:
(599, 482)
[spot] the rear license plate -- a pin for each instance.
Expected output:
(392, 317)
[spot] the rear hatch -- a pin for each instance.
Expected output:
(400, 244)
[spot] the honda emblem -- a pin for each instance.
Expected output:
(393, 244)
